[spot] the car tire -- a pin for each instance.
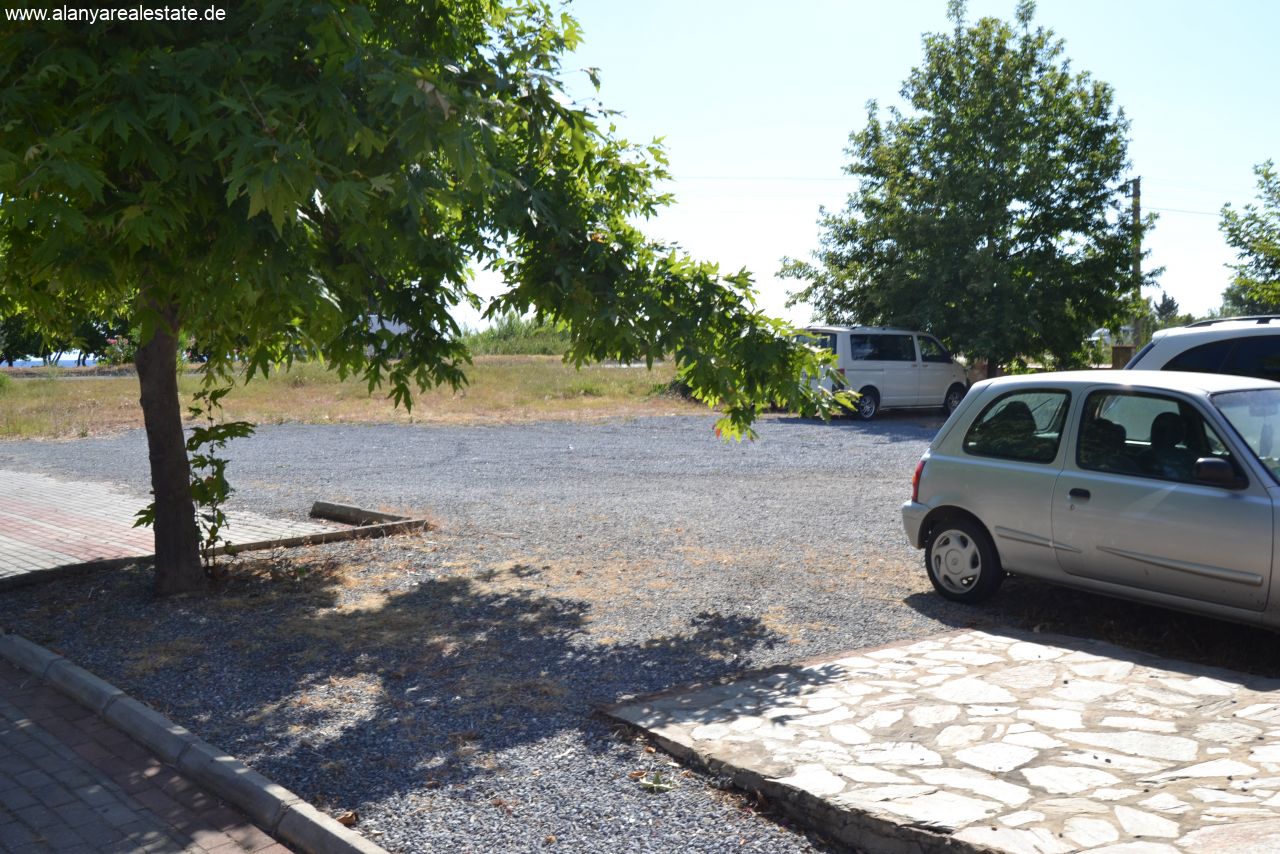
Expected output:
(962, 562)
(951, 402)
(868, 404)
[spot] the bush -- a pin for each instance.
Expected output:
(120, 350)
(513, 335)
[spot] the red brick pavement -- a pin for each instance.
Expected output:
(69, 781)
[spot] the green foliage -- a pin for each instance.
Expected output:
(209, 485)
(280, 178)
(991, 211)
(1254, 233)
(4, 382)
(1240, 300)
(513, 335)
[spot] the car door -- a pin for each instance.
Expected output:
(937, 371)
(1127, 509)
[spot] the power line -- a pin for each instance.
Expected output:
(1183, 211)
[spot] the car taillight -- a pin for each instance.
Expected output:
(915, 480)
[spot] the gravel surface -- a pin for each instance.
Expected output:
(446, 686)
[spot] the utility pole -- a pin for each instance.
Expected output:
(1141, 314)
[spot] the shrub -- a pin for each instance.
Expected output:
(513, 335)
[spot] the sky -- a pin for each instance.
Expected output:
(755, 102)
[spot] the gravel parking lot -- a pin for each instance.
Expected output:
(444, 686)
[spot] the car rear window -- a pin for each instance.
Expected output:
(1023, 425)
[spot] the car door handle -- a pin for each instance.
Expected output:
(1082, 494)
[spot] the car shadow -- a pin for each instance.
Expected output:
(1029, 606)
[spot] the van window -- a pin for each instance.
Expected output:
(932, 351)
(824, 340)
(882, 348)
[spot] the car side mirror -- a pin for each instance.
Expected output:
(1213, 471)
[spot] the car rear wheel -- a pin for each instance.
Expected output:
(955, 394)
(962, 562)
(868, 403)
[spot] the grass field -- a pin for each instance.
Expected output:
(503, 389)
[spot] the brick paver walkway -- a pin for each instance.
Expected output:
(47, 523)
(70, 782)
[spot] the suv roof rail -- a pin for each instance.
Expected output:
(1261, 319)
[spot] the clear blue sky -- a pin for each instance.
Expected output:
(756, 101)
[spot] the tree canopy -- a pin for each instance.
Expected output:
(273, 183)
(990, 209)
(1254, 233)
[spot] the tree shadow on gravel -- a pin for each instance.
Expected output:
(1034, 606)
(354, 690)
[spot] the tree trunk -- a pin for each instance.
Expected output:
(178, 567)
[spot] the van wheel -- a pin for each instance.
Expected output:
(951, 402)
(868, 403)
(962, 562)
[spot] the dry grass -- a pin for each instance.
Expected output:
(503, 389)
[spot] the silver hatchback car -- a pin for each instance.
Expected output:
(1156, 486)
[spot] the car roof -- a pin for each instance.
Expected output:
(1224, 326)
(1154, 380)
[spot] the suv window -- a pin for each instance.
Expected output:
(1146, 435)
(1255, 356)
(1207, 358)
(1023, 425)
(932, 351)
(882, 348)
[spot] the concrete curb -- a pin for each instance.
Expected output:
(392, 525)
(272, 807)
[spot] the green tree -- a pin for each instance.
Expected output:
(991, 211)
(274, 181)
(1240, 300)
(1254, 233)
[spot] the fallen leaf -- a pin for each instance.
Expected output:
(348, 819)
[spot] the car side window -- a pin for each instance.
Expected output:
(1255, 356)
(1207, 358)
(1024, 425)
(932, 351)
(1145, 435)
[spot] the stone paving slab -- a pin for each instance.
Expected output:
(69, 781)
(975, 741)
(47, 523)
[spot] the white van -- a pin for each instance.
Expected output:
(892, 367)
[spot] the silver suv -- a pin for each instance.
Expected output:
(1243, 346)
